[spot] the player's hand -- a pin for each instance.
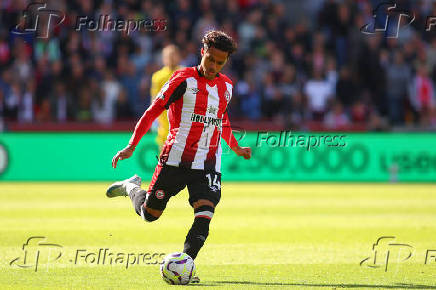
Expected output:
(243, 151)
(123, 154)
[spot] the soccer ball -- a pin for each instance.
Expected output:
(177, 269)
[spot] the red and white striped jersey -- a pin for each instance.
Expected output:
(197, 114)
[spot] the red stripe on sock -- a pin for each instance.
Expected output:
(203, 216)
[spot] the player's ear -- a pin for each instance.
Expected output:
(202, 51)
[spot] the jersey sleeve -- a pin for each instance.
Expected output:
(227, 132)
(173, 90)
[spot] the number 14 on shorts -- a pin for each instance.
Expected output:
(214, 183)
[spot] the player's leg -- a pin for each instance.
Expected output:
(139, 198)
(165, 183)
(132, 188)
(197, 235)
(204, 195)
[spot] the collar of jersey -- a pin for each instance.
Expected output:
(202, 76)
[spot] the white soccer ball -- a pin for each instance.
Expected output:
(177, 269)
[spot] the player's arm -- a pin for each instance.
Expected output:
(231, 140)
(170, 92)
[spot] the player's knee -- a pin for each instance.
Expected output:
(203, 202)
(200, 228)
(150, 215)
(204, 212)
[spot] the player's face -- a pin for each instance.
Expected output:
(212, 61)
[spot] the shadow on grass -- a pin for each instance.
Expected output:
(394, 286)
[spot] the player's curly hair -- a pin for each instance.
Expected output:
(219, 40)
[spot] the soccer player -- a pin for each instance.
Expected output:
(170, 59)
(196, 99)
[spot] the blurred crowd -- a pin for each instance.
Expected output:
(298, 62)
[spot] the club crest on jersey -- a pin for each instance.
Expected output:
(159, 194)
(227, 95)
(212, 110)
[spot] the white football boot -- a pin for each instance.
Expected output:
(122, 188)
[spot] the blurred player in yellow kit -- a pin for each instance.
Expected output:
(170, 59)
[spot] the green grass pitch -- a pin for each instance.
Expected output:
(263, 235)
